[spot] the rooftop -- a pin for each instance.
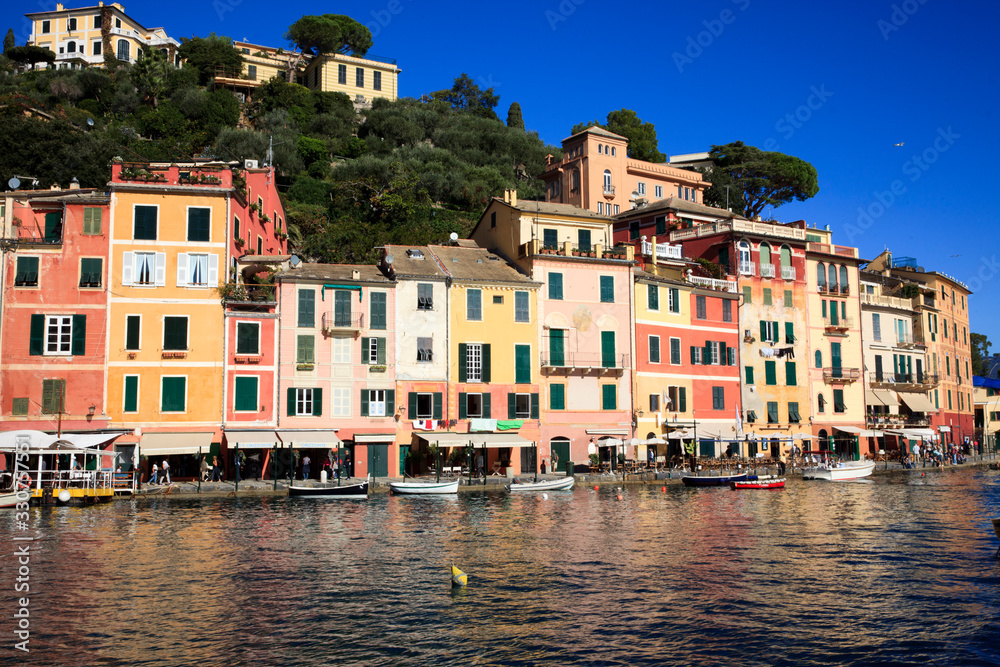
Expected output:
(599, 131)
(334, 273)
(676, 204)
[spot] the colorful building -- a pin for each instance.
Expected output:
(363, 79)
(88, 36)
(595, 173)
(337, 366)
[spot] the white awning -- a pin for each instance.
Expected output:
(887, 397)
(653, 441)
(853, 430)
(87, 440)
(682, 434)
(478, 440)
(252, 439)
(165, 444)
(374, 437)
(916, 402)
(871, 398)
(803, 436)
(308, 439)
(607, 431)
(944, 429)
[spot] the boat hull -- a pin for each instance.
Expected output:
(563, 484)
(423, 488)
(712, 480)
(8, 499)
(758, 484)
(351, 491)
(853, 470)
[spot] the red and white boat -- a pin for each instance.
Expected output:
(759, 483)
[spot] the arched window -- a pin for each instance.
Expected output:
(612, 151)
(600, 149)
(70, 47)
(786, 256)
(819, 361)
(575, 181)
(832, 275)
(822, 403)
(843, 278)
(765, 254)
(607, 181)
(820, 275)
(745, 266)
(124, 49)
(824, 439)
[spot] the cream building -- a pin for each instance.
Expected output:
(362, 79)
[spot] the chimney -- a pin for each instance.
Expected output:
(510, 197)
(59, 7)
(355, 275)
(74, 184)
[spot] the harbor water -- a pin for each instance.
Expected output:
(895, 569)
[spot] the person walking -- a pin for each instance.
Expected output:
(166, 471)
(306, 465)
(154, 475)
(216, 473)
(237, 465)
(479, 465)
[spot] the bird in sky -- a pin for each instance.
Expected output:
(899, 144)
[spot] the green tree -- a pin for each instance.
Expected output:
(150, 75)
(465, 95)
(979, 348)
(30, 55)
(514, 118)
(329, 33)
(763, 178)
(642, 142)
(207, 54)
(9, 42)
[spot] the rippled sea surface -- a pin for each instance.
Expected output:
(896, 569)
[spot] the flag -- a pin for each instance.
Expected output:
(739, 423)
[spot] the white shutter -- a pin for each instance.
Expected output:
(213, 270)
(160, 271)
(182, 269)
(127, 268)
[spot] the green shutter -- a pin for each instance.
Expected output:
(380, 351)
(364, 404)
(788, 298)
(198, 224)
(731, 356)
(607, 289)
(131, 393)
(767, 296)
(173, 394)
(290, 400)
(365, 355)
(132, 323)
(748, 371)
(772, 412)
(682, 402)
(438, 405)
(653, 297)
(557, 397)
(390, 402)
(511, 406)
(675, 300)
(78, 344)
(463, 363)
(463, 405)
(824, 308)
(486, 406)
(723, 356)
(144, 228)
(306, 351)
(245, 389)
(609, 397)
(522, 364)
(534, 406)
(763, 330)
(694, 354)
(378, 310)
(608, 349)
(307, 308)
(790, 378)
(770, 373)
(557, 349)
(317, 402)
(747, 294)
(53, 226)
(789, 332)
(91, 220)
(411, 404)
(247, 336)
(706, 354)
(555, 286)
(36, 342)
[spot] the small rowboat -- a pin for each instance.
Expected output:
(712, 480)
(772, 483)
(347, 492)
(423, 488)
(563, 484)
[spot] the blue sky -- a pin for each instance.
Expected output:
(835, 83)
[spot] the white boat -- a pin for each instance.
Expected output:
(562, 484)
(423, 488)
(7, 499)
(832, 471)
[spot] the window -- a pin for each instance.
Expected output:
(675, 351)
(199, 224)
(473, 406)
(819, 359)
(790, 333)
(53, 396)
(245, 394)
(550, 238)
(793, 413)
(376, 80)
(748, 373)
(252, 72)
(26, 274)
(260, 245)
(342, 348)
(652, 297)
(341, 402)
(609, 397)
(522, 364)
(788, 298)
(175, 332)
(790, 378)
(747, 294)
(746, 266)
(425, 296)
(97, 48)
(767, 296)
(712, 353)
(770, 373)
(607, 289)
(130, 394)
(92, 218)
(342, 74)
(247, 338)
(676, 399)
(718, 398)
(236, 227)
(822, 404)
(838, 401)
(197, 269)
(769, 331)
(305, 350)
(727, 310)
(674, 300)
(46, 27)
(305, 402)
(821, 276)
(583, 240)
(701, 307)
(359, 77)
(654, 349)
(373, 351)
(522, 311)
(844, 284)
(658, 191)
(641, 188)
(600, 208)
(474, 305)
(424, 405)
(696, 355)
(876, 326)
(124, 49)
(555, 286)
(473, 362)
(307, 308)
(342, 308)
(522, 406)
(425, 349)
(772, 412)
(144, 223)
(609, 189)
(133, 324)
(378, 318)
(173, 394)
(654, 402)
(58, 334)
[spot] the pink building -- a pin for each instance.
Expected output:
(595, 173)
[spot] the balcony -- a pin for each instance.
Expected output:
(715, 283)
(746, 268)
(909, 341)
(745, 226)
(567, 249)
(903, 381)
(239, 294)
(896, 302)
(34, 233)
(788, 273)
(883, 421)
(350, 322)
(583, 363)
(828, 249)
(166, 174)
(838, 375)
(663, 250)
(609, 191)
(840, 326)
(767, 270)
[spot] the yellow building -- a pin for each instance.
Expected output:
(83, 37)
(361, 79)
(260, 65)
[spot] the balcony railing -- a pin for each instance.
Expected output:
(909, 341)
(840, 374)
(566, 249)
(715, 283)
(609, 190)
(767, 270)
(788, 273)
(903, 380)
(761, 228)
(887, 301)
(583, 362)
(894, 421)
(36, 233)
(842, 324)
(341, 321)
(746, 268)
(256, 294)
(664, 250)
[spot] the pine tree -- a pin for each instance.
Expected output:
(514, 118)
(8, 41)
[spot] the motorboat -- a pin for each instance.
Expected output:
(713, 480)
(347, 491)
(559, 484)
(825, 468)
(423, 488)
(763, 482)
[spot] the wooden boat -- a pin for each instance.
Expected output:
(712, 480)
(423, 488)
(347, 492)
(830, 471)
(8, 499)
(764, 482)
(561, 484)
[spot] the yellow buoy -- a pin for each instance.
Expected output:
(458, 578)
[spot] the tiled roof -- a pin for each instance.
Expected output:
(677, 204)
(334, 272)
(551, 208)
(477, 264)
(599, 131)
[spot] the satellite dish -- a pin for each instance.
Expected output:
(14, 183)
(454, 237)
(389, 259)
(294, 261)
(90, 122)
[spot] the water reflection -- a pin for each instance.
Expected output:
(896, 569)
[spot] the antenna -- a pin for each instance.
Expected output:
(294, 261)
(389, 259)
(14, 183)
(454, 237)
(90, 122)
